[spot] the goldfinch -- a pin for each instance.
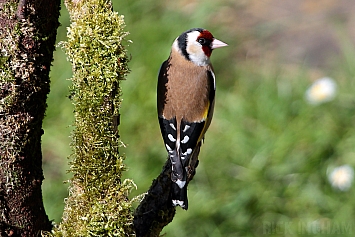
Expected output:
(185, 101)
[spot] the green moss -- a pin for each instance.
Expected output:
(98, 203)
(3, 60)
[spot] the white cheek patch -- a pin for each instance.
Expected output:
(197, 55)
(194, 50)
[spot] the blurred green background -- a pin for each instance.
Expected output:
(269, 154)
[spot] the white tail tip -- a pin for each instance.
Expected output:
(178, 203)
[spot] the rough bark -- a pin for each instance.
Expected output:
(27, 37)
(156, 210)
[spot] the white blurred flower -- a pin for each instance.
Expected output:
(341, 177)
(321, 91)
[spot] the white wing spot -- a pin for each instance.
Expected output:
(180, 183)
(172, 126)
(171, 138)
(186, 139)
(186, 128)
(168, 147)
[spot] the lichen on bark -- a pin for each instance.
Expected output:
(98, 203)
(27, 37)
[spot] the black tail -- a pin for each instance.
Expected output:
(179, 196)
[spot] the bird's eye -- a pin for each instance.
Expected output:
(202, 41)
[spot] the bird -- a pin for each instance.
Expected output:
(185, 103)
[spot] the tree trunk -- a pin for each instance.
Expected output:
(27, 37)
(98, 203)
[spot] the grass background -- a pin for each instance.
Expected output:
(265, 162)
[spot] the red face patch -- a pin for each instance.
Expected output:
(206, 34)
(205, 39)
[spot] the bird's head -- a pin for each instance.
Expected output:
(196, 45)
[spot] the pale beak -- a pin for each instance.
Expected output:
(218, 44)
